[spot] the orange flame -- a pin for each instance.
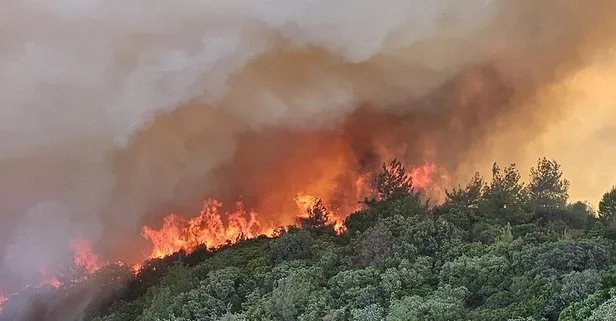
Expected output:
(422, 175)
(84, 257)
(214, 227)
(50, 279)
(305, 202)
(209, 228)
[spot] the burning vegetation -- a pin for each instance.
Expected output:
(135, 135)
(395, 222)
(216, 228)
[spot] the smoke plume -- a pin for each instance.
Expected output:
(114, 112)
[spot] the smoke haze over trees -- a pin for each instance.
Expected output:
(116, 113)
(495, 249)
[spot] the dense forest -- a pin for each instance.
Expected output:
(497, 249)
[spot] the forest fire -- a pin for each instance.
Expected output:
(215, 226)
(262, 110)
(84, 257)
(85, 263)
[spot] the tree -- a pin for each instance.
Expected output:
(547, 187)
(393, 182)
(462, 203)
(605, 312)
(292, 246)
(576, 287)
(317, 219)
(504, 196)
(607, 207)
(446, 303)
(468, 196)
(375, 245)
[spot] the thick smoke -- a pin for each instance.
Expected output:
(115, 110)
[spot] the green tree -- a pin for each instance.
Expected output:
(468, 196)
(578, 215)
(482, 275)
(461, 204)
(504, 196)
(445, 304)
(547, 190)
(580, 311)
(607, 208)
(292, 246)
(605, 312)
(373, 312)
(547, 187)
(375, 245)
(575, 288)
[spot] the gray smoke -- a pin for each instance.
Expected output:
(114, 110)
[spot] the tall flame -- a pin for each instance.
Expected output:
(214, 226)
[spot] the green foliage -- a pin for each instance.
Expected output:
(375, 245)
(467, 197)
(578, 215)
(444, 304)
(504, 196)
(576, 286)
(292, 246)
(604, 312)
(493, 251)
(607, 208)
(547, 187)
(483, 276)
(581, 310)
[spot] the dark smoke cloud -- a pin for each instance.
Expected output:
(113, 111)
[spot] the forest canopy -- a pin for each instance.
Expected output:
(497, 248)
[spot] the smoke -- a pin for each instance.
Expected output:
(113, 111)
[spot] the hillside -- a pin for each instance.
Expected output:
(496, 249)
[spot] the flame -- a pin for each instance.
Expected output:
(84, 260)
(83, 256)
(50, 278)
(422, 175)
(305, 202)
(214, 226)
